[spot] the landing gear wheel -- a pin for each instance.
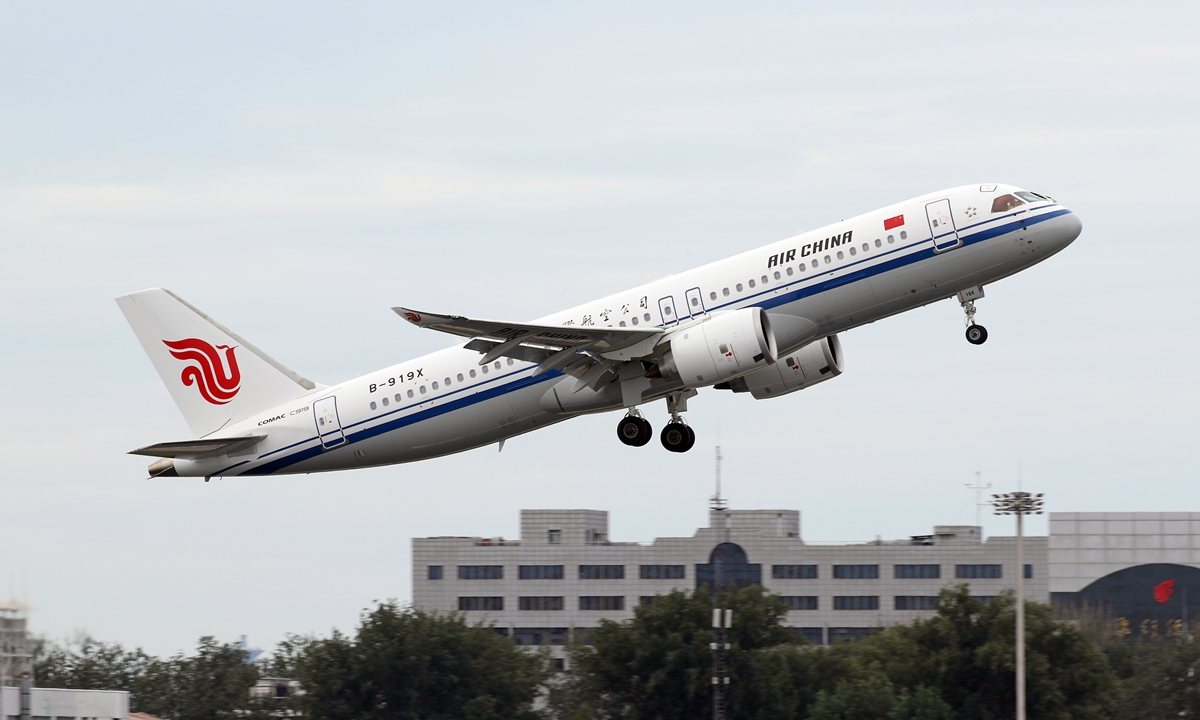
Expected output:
(677, 437)
(634, 431)
(976, 334)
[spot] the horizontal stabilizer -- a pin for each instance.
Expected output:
(194, 449)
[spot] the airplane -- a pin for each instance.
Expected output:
(764, 322)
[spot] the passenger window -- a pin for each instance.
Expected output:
(695, 302)
(622, 323)
(725, 292)
(485, 369)
(385, 402)
(827, 260)
(841, 255)
(891, 239)
(765, 280)
(422, 389)
(447, 382)
(738, 287)
(903, 234)
(777, 275)
(790, 271)
(472, 372)
(373, 406)
(460, 377)
(646, 317)
(435, 385)
(853, 251)
(878, 243)
(815, 263)
(398, 398)
(751, 283)
(1004, 203)
(712, 295)
(634, 320)
(498, 364)
(510, 361)
(866, 247)
(410, 393)
(802, 267)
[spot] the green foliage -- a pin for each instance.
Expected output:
(407, 664)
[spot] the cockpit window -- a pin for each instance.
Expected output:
(1004, 203)
(1031, 197)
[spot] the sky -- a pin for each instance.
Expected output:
(297, 169)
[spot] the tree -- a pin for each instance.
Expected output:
(408, 664)
(658, 665)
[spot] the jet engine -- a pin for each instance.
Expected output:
(721, 348)
(814, 363)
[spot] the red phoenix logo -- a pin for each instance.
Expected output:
(217, 379)
(1164, 590)
(412, 317)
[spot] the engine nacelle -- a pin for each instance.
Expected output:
(721, 348)
(814, 363)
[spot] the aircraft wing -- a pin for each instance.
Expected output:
(551, 346)
(193, 449)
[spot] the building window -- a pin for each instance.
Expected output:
(647, 600)
(540, 572)
(503, 632)
(814, 635)
(846, 634)
(601, 602)
(540, 603)
(661, 572)
(435, 572)
(480, 572)
(540, 636)
(856, 602)
(1028, 572)
(467, 604)
(799, 602)
(978, 572)
(856, 572)
(554, 537)
(794, 572)
(560, 665)
(916, 602)
(918, 572)
(601, 572)
(985, 599)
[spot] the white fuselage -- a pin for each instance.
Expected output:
(811, 285)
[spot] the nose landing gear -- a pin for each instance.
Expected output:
(976, 334)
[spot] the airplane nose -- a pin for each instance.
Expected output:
(1069, 228)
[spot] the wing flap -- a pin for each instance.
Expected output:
(551, 346)
(202, 448)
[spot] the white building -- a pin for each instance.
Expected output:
(46, 704)
(565, 574)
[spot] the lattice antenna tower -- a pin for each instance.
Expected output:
(716, 502)
(979, 487)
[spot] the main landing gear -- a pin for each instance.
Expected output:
(676, 436)
(976, 334)
(634, 429)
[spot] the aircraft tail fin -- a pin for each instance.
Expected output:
(214, 375)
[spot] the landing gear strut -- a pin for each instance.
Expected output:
(634, 429)
(676, 436)
(976, 334)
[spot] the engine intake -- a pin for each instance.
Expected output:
(721, 348)
(814, 363)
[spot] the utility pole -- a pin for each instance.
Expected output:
(1019, 504)
(979, 487)
(722, 617)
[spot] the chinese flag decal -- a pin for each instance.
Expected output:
(1164, 590)
(893, 222)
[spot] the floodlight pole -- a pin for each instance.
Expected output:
(1019, 504)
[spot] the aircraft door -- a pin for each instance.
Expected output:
(666, 308)
(941, 224)
(329, 427)
(695, 302)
